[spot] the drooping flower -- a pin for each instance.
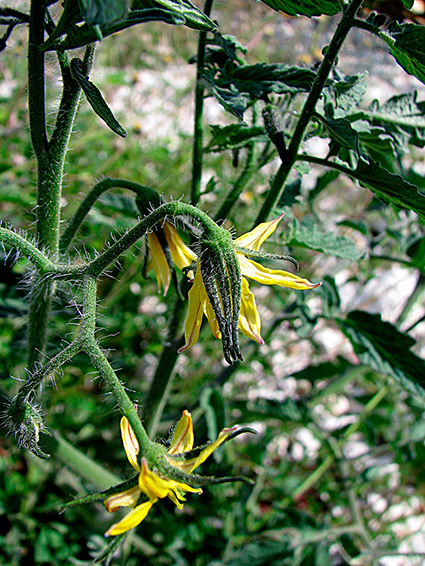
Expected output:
(246, 246)
(152, 484)
(167, 249)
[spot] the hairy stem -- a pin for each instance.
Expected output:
(156, 397)
(288, 160)
(101, 364)
(26, 248)
(199, 109)
(88, 202)
(209, 227)
(239, 185)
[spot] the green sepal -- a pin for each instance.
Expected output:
(101, 495)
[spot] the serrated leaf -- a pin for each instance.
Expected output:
(341, 132)
(407, 46)
(347, 93)
(306, 234)
(389, 187)
(290, 194)
(235, 86)
(78, 36)
(232, 100)
(305, 7)
(174, 12)
(194, 17)
(385, 349)
(103, 12)
(95, 99)
(375, 141)
(261, 78)
(234, 136)
(402, 116)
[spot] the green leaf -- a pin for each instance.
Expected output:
(290, 194)
(407, 46)
(235, 85)
(305, 7)
(385, 349)
(341, 132)
(174, 12)
(389, 187)
(193, 16)
(78, 36)
(306, 234)
(231, 99)
(95, 98)
(348, 93)
(235, 136)
(375, 140)
(262, 78)
(403, 117)
(103, 12)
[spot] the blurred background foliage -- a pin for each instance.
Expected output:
(339, 457)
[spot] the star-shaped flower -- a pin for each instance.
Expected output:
(153, 485)
(246, 246)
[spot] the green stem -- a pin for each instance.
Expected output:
(210, 228)
(34, 381)
(90, 199)
(199, 109)
(156, 397)
(78, 462)
(101, 364)
(344, 26)
(28, 250)
(236, 191)
(50, 164)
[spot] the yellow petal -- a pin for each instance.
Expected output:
(193, 463)
(254, 240)
(132, 519)
(249, 317)
(127, 498)
(211, 316)
(159, 263)
(151, 484)
(267, 276)
(181, 254)
(131, 444)
(183, 437)
(195, 312)
(156, 487)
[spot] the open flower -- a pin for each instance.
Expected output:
(163, 243)
(246, 246)
(153, 485)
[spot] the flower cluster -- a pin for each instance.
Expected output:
(154, 484)
(249, 321)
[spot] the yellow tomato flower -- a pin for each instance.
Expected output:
(152, 484)
(249, 317)
(181, 255)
